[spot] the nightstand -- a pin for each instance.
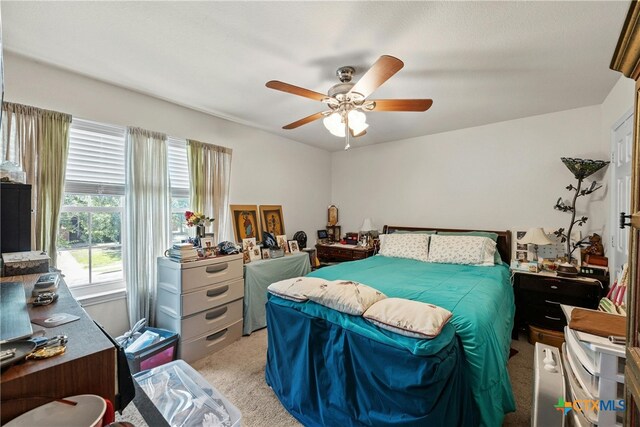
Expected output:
(539, 295)
(339, 253)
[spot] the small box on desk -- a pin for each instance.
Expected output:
(19, 263)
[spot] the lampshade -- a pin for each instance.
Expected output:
(367, 225)
(535, 236)
(335, 123)
(581, 168)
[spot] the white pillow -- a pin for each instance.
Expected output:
(471, 250)
(346, 296)
(410, 318)
(295, 289)
(405, 245)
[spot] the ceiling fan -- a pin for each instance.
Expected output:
(348, 101)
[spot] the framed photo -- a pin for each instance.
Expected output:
(323, 234)
(255, 253)
(293, 246)
(282, 243)
(332, 215)
(265, 253)
(272, 219)
(245, 221)
(249, 243)
(208, 248)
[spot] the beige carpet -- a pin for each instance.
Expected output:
(238, 373)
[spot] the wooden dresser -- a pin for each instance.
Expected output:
(201, 301)
(338, 252)
(88, 365)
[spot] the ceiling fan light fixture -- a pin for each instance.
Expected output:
(356, 118)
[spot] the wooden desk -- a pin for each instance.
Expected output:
(87, 367)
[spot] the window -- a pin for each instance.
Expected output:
(90, 233)
(179, 178)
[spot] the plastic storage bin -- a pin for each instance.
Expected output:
(164, 351)
(184, 398)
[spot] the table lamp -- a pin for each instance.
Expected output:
(367, 226)
(535, 237)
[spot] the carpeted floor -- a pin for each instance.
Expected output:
(238, 373)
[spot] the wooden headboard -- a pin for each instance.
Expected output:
(503, 243)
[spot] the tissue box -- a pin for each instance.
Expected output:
(19, 263)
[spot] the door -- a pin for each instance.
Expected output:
(621, 156)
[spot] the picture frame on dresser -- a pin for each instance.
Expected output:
(272, 219)
(246, 223)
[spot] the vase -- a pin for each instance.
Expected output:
(199, 231)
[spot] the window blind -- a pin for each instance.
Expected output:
(96, 158)
(178, 167)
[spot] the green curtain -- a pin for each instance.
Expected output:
(53, 149)
(38, 141)
(209, 178)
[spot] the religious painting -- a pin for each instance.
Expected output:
(272, 219)
(245, 222)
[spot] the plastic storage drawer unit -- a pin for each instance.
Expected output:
(192, 400)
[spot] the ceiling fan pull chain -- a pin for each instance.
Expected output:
(346, 132)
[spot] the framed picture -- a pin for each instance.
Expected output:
(245, 221)
(293, 246)
(255, 253)
(282, 242)
(272, 219)
(249, 243)
(265, 253)
(332, 215)
(208, 248)
(322, 234)
(245, 256)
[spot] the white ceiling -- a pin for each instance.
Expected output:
(480, 62)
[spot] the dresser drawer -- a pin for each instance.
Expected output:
(535, 297)
(212, 296)
(199, 300)
(548, 316)
(185, 277)
(553, 286)
(206, 344)
(200, 323)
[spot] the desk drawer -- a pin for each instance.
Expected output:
(548, 316)
(208, 343)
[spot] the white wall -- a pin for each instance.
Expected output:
(505, 175)
(266, 169)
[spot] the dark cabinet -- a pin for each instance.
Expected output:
(538, 298)
(15, 217)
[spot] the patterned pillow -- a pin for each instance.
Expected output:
(295, 289)
(346, 296)
(471, 250)
(405, 245)
(411, 318)
(493, 236)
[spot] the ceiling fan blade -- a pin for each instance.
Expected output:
(304, 121)
(385, 67)
(363, 133)
(300, 91)
(402, 104)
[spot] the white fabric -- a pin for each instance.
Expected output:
(297, 288)
(345, 296)
(411, 318)
(470, 250)
(147, 216)
(405, 245)
(211, 194)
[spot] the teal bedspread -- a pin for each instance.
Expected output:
(481, 300)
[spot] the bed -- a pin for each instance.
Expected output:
(329, 368)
